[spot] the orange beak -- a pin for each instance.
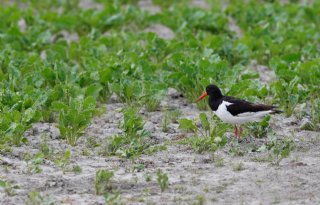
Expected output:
(202, 96)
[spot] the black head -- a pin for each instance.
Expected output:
(213, 91)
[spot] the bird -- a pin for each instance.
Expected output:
(235, 111)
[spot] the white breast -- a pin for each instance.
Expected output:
(227, 117)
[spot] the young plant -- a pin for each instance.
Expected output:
(103, 181)
(34, 162)
(259, 129)
(169, 117)
(315, 115)
(8, 188)
(74, 117)
(76, 169)
(211, 137)
(288, 94)
(35, 198)
(163, 180)
(132, 142)
(279, 148)
(63, 160)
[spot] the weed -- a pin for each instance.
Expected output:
(235, 149)
(76, 169)
(212, 137)
(103, 182)
(92, 142)
(132, 143)
(148, 178)
(63, 160)
(163, 180)
(288, 94)
(35, 198)
(279, 148)
(34, 162)
(259, 129)
(8, 188)
(45, 149)
(315, 114)
(238, 166)
(200, 200)
(169, 117)
(218, 161)
(113, 198)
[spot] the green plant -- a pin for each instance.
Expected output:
(8, 188)
(103, 181)
(211, 137)
(169, 116)
(76, 169)
(163, 180)
(259, 129)
(200, 200)
(74, 117)
(132, 143)
(279, 148)
(34, 162)
(63, 160)
(315, 114)
(288, 94)
(35, 198)
(113, 198)
(238, 166)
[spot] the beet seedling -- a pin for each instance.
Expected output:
(74, 117)
(279, 148)
(8, 188)
(103, 181)
(315, 115)
(169, 117)
(207, 137)
(163, 180)
(132, 142)
(260, 129)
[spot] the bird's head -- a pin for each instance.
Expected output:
(211, 90)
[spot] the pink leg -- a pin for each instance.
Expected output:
(240, 133)
(235, 131)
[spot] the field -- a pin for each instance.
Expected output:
(98, 104)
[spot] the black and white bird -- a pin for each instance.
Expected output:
(235, 111)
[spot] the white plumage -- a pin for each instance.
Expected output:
(227, 117)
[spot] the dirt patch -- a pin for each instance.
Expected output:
(234, 27)
(266, 74)
(200, 3)
(149, 6)
(90, 4)
(161, 30)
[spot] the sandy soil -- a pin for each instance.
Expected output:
(215, 178)
(191, 175)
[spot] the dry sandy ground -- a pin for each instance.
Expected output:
(295, 181)
(192, 176)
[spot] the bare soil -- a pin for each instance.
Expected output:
(295, 181)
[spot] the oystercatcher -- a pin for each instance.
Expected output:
(235, 111)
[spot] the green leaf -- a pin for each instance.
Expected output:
(204, 121)
(187, 125)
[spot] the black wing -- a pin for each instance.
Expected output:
(239, 106)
